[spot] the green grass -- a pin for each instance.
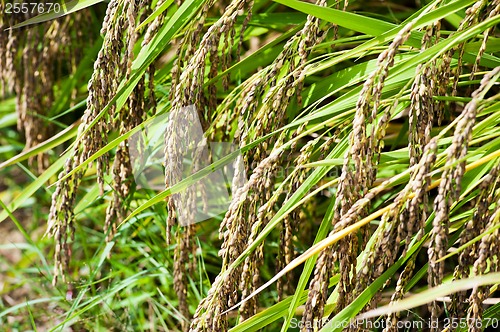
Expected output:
(129, 283)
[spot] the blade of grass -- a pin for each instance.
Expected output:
(34, 186)
(74, 5)
(309, 266)
(155, 14)
(432, 294)
(52, 142)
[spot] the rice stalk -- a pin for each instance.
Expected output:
(242, 101)
(131, 116)
(358, 173)
(31, 61)
(473, 228)
(188, 91)
(487, 261)
(423, 108)
(408, 220)
(474, 14)
(450, 187)
(246, 219)
(113, 60)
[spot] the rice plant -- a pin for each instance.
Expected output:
(250, 165)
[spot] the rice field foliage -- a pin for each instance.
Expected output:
(365, 155)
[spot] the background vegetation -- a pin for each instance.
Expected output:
(369, 131)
